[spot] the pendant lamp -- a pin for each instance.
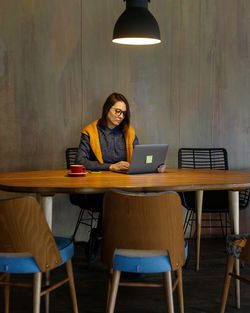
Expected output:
(136, 25)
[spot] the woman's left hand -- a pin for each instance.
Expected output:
(161, 168)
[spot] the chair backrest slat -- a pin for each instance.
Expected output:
(25, 229)
(143, 222)
(244, 198)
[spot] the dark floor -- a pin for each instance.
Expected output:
(202, 290)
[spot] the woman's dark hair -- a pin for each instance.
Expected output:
(111, 100)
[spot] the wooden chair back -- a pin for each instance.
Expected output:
(25, 229)
(150, 221)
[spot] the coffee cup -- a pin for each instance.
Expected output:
(77, 168)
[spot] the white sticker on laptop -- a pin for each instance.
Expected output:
(149, 159)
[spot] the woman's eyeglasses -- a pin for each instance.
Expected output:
(119, 113)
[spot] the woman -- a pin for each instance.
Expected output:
(107, 143)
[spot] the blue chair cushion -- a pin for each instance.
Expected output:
(21, 263)
(142, 262)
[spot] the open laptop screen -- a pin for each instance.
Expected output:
(147, 158)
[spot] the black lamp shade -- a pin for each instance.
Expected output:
(136, 25)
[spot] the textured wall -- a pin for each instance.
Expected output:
(58, 64)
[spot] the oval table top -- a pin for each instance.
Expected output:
(57, 181)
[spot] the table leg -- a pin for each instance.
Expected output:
(46, 203)
(198, 209)
(234, 215)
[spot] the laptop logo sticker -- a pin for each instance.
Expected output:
(149, 159)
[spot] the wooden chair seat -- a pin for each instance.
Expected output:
(24, 263)
(28, 246)
(143, 233)
(141, 262)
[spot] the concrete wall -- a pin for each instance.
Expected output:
(58, 65)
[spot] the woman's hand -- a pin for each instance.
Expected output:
(161, 168)
(120, 166)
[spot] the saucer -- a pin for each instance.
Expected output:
(77, 174)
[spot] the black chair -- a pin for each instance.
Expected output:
(89, 212)
(213, 201)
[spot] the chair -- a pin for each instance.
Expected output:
(238, 247)
(87, 214)
(28, 246)
(213, 201)
(143, 233)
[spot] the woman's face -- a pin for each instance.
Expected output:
(116, 114)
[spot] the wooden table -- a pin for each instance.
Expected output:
(48, 183)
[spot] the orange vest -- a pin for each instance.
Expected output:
(92, 132)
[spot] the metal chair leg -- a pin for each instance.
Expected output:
(78, 223)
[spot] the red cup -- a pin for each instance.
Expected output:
(77, 168)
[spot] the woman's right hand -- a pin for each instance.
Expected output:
(120, 166)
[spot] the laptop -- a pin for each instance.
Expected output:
(147, 158)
